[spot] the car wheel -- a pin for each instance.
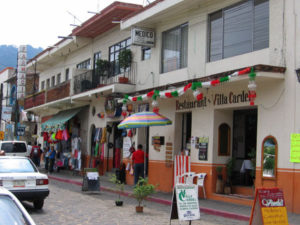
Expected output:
(38, 204)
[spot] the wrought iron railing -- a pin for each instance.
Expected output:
(85, 80)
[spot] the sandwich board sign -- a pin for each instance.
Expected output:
(268, 207)
(185, 205)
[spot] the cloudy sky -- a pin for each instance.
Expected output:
(40, 22)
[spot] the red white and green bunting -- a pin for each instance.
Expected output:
(195, 87)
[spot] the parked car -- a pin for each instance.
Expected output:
(20, 176)
(15, 148)
(12, 211)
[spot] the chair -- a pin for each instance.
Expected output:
(200, 182)
(182, 165)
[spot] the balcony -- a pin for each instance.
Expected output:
(55, 93)
(85, 80)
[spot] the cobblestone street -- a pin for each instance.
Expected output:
(68, 205)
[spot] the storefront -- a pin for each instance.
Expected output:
(65, 131)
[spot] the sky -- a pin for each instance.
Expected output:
(40, 22)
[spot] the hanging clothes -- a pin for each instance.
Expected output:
(103, 138)
(102, 152)
(99, 134)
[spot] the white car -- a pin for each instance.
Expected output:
(15, 148)
(12, 211)
(20, 176)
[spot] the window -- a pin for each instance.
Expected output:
(224, 140)
(48, 83)
(97, 56)
(239, 29)
(67, 74)
(146, 53)
(84, 65)
(53, 81)
(174, 48)
(58, 78)
(43, 85)
(114, 54)
(269, 157)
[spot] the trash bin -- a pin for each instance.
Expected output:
(91, 181)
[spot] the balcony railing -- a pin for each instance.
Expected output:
(85, 80)
(55, 93)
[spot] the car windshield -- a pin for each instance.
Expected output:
(16, 165)
(10, 213)
(13, 147)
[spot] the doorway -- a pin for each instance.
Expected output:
(244, 144)
(143, 139)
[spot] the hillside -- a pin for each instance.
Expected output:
(8, 55)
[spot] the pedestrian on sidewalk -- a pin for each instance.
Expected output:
(46, 157)
(35, 154)
(52, 154)
(138, 160)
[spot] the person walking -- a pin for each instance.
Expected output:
(138, 160)
(46, 157)
(52, 154)
(35, 154)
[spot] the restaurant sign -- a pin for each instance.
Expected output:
(216, 99)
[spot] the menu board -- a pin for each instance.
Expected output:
(269, 207)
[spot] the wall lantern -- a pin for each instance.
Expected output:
(298, 74)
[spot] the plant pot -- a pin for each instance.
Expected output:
(227, 190)
(119, 203)
(219, 186)
(139, 209)
(123, 80)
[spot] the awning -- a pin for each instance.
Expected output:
(58, 121)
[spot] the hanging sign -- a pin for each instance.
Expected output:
(142, 36)
(6, 113)
(269, 207)
(295, 148)
(21, 75)
(187, 203)
(1, 135)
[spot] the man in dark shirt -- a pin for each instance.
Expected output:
(138, 163)
(35, 154)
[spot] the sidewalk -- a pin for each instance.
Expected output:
(218, 208)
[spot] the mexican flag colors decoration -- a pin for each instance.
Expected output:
(196, 88)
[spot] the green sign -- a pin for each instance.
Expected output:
(295, 148)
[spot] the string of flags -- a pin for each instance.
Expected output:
(196, 88)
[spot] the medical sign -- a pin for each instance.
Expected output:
(142, 36)
(21, 75)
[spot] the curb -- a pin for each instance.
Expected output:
(161, 201)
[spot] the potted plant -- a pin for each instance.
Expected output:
(103, 67)
(141, 191)
(125, 60)
(119, 186)
(229, 170)
(219, 184)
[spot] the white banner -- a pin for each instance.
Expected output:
(126, 147)
(21, 89)
(6, 113)
(21, 75)
(21, 62)
(20, 95)
(21, 69)
(22, 48)
(22, 55)
(21, 82)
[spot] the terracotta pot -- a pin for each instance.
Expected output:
(119, 203)
(219, 186)
(123, 79)
(139, 209)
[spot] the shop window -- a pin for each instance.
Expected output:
(269, 157)
(48, 83)
(58, 78)
(174, 48)
(239, 29)
(224, 140)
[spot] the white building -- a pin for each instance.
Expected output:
(199, 45)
